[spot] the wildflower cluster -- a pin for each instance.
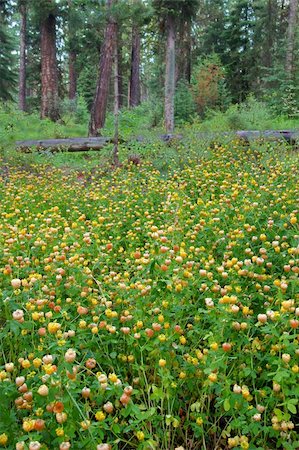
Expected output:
(142, 311)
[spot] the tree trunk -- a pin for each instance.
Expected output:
(291, 34)
(23, 42)
(72, 38)
(98, 111)
(72, 75)
(170, 74)
(116, 108)
(135, 68)
(183, 51)
(119, 47)
(49, 72)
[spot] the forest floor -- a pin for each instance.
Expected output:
(154, 305)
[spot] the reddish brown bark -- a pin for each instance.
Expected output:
(22, 70)
(72, 75)
(49, 72)
(98, 111)
(135, 68)
(120, 69)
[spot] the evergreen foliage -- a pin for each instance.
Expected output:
(8, 77)
(249, 38)
(209, 85)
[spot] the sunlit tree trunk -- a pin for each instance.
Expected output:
(98, 112)
(49, 71)
(170, 74)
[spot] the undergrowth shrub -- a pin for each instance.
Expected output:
(184, 105)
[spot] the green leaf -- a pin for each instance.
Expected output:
(168, 419)
(15, 327)
(226, 405)
(278, 413)
(116, 428)
(292, 408)
(157, 394)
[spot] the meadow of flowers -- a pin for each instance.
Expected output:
(141, 311)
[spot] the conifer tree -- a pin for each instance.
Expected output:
(23, 45)
(169, 12)
(98, 112)
(8, 77)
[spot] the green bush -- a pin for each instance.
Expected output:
(87, 84)
(250, 115)
(184, 104)
(16, 125)
(75, 109)
(209, 85)
(132, 122)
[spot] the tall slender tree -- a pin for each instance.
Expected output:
(23, 46)
(169, 72)
(72, 75)
(75, 20)
(7, 61)
(98, 112)
(134, 98)
(169, 11)
(270, 34)
(140, 14)
(116, 108)
(242, 60)
(86, 27)
(120, 66)
(183, 54)
(49, 70)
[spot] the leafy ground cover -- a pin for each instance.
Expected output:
(151, 310)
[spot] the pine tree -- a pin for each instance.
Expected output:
(139, 13)
(49, 72)
(291, 38)
(242, 60)
(183, 53)
(134, 98)
(46, 12)
(23, 48)
(87, 23)
(98, 112)
(169, 11)
(8, 78)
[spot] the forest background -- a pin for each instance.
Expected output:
(221, 64)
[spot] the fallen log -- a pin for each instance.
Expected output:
(97, 143)
(70, 144)
(290, 136)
